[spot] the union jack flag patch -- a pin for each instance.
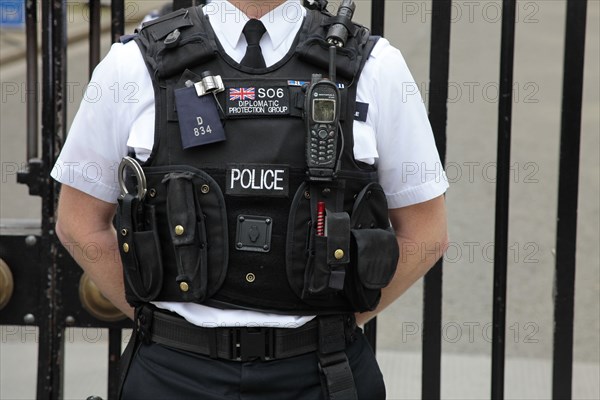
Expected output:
(242, 93)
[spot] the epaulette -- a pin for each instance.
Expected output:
(161, 38)
(160, 27)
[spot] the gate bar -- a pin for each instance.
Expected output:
(94, 39)
(51, 326)
(31, 17)
(377, 17)
(439, 61)
(114, 357)
(377, 25)
(117, 12)
(568, 185)
(507, 47)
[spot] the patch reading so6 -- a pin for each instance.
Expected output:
(245, 101)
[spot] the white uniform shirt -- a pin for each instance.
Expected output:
(117, 114)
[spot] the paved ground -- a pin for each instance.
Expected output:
(471, 169)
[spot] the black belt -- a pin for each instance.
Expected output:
(236, 344)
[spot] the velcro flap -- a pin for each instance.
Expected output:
(377, 256)
(338, 237)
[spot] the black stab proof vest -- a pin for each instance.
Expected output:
(233, 223)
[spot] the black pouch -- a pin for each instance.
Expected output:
(374, 258)
(314, 273)
(197, 223)
(374, 249)
(140, 250)
(356, 257)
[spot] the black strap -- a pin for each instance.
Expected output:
(337, 376)
(235, 344)
(336, 379)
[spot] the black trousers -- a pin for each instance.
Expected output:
(161, 372)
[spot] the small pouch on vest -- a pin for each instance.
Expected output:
(374, 258)
(188, 235)
(328, 256)
(140, 250)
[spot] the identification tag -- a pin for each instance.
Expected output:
(199, 121)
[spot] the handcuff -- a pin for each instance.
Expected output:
(139, 174)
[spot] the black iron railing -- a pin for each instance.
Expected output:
(568, 189)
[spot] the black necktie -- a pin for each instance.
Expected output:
(253, 31)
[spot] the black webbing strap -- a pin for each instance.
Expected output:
(336, 378)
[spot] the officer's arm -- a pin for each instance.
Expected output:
(422, 238)
(84, 227)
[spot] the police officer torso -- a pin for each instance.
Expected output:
(231, 217)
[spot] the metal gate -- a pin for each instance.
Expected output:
(34, 262)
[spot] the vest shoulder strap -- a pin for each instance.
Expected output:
(314, 48)
(160, 27)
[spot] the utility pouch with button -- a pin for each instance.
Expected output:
(196, 216)
(188, 235)
(138, 241)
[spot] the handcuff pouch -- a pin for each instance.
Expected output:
(139, 249)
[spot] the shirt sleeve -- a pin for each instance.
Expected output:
(397, 136)
(97, 139)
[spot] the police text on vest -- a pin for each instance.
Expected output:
(266, 180)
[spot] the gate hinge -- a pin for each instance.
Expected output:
(32, 176)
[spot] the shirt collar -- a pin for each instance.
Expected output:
(283, 21)
(229, 21)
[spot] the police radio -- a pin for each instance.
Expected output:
(322, 115)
